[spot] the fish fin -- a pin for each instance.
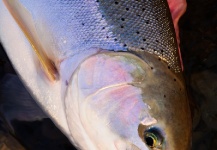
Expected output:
(16, 103)
(25, 21)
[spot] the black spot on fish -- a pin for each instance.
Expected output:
(66, 83)
(147, 21)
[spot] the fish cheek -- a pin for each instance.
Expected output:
(170, 108)
(164, 92)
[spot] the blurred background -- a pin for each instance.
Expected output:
(198, 33)
(198, 36)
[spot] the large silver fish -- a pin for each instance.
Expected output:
(107, 72)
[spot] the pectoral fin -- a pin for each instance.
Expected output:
(25, 21)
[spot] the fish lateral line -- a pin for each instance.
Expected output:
(21, 16)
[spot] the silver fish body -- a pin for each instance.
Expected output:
(76, 26)
(120, 84)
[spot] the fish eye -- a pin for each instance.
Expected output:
(153, 138)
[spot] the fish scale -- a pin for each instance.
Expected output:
(115, 25)
(142, 25)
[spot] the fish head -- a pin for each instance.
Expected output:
(123, 102)
(113, 100)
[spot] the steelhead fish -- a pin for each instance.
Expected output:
(107, 72)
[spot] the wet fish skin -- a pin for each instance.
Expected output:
(111, 25)
(125, 33)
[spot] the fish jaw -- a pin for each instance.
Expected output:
(117, 97)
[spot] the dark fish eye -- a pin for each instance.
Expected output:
(153, 138)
